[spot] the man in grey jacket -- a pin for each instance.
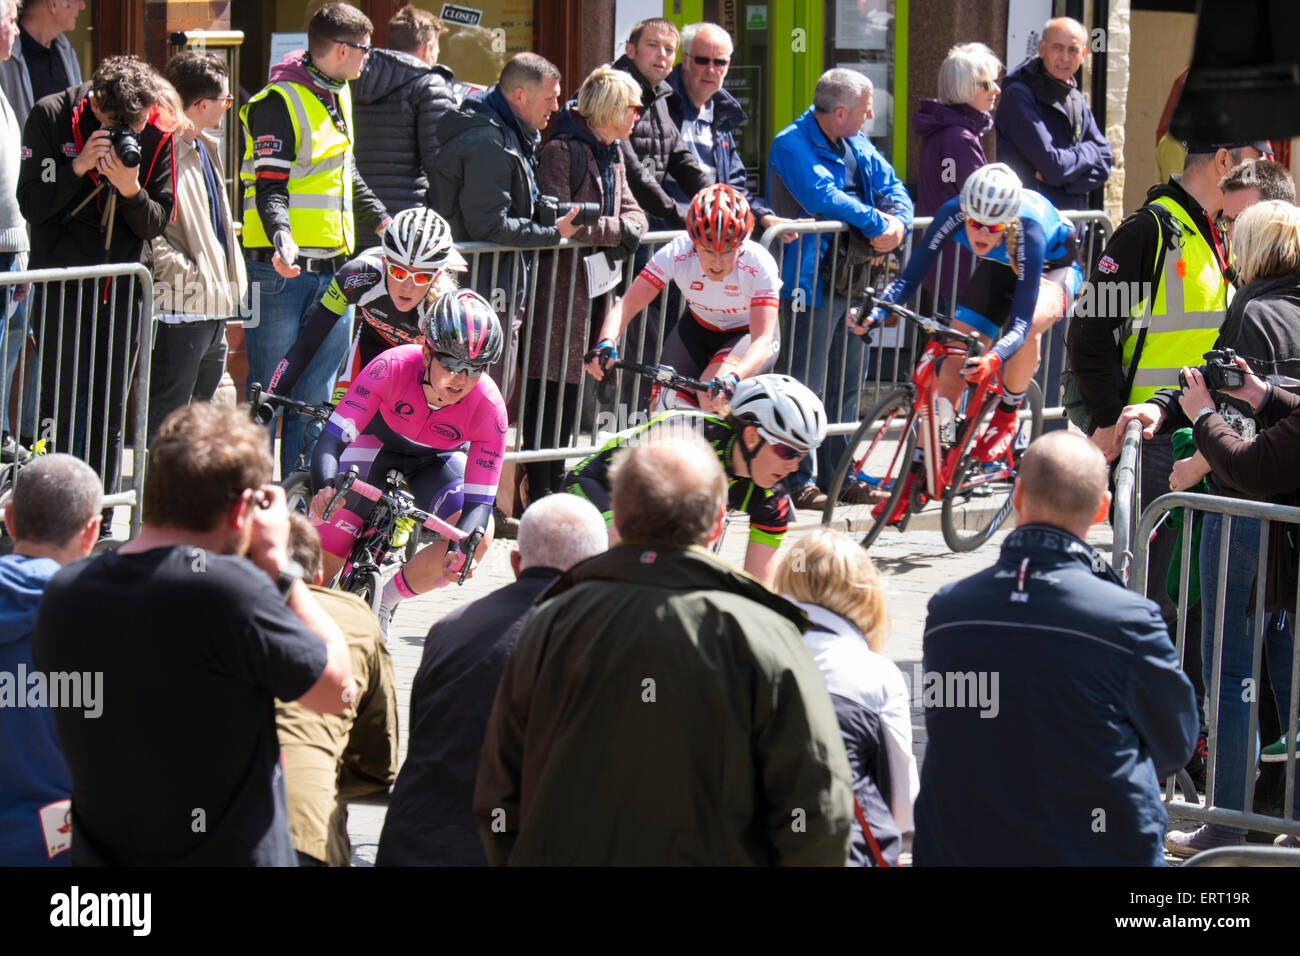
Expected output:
(660, 707)
(43, 61)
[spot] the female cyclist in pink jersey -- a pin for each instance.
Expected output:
(731, 285)
(413, 409)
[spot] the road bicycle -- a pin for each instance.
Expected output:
(911, 458)
(362, 573)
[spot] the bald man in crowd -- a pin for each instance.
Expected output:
(1046, 133)
(1054, 702)
(660, 707)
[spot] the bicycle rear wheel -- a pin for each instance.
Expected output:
(879, 453)
(978, 499)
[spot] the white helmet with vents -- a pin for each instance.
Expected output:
(420, 239)
(783, 410)
(991, 195)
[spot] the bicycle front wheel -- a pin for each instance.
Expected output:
(872, 473)
(297, 492)
(367, 585)
(978, 499)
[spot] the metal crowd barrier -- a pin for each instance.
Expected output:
(1128, 481)
(71, 386)
(1269, 516)
(555, 272)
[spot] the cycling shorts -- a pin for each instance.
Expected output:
(691, 348)
(985, 303)
(436, 482)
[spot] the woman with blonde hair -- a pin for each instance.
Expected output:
(580, 163)
(1262, 326)
(833, 581)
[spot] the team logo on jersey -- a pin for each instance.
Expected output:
(443, 430)
(354, 280)
(379, 368)
(697, 286)
(1108, 265)
(403, 409)
(362, 391)
(731, 289)
(501, 422)
(267, 145)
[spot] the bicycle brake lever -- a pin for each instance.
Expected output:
(340, 492)
(468, 546)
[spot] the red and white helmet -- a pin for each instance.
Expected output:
(719, 219)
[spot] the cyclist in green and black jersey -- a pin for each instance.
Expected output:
(771, 423)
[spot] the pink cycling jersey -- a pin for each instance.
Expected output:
(385, 410)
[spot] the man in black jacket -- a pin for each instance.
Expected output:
(430, 820)
(88, 331)
(403, 93)
(656, 149)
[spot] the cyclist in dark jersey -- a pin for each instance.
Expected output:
(772, 422)
(387, 285)
(1027, 275)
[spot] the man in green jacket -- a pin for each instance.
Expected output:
(660, 707)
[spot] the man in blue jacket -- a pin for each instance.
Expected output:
(53, 519)
(1046, 133)
(823, 166)
(1054, 701)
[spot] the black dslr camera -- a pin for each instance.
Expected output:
(126, 144)
(1220, 371)
(549, 209)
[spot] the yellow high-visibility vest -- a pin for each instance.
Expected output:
(1187, 309)
(320, 176)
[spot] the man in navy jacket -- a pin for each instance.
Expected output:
(1054, 701)
(809, 175)
(1046, 133)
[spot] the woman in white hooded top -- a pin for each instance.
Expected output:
(833, 580)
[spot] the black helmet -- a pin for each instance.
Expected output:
(462, 328)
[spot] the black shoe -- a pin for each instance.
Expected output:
(10, 450)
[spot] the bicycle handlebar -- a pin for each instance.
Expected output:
(664, 375)
(262, 404)
(935, 325)
(350, 481)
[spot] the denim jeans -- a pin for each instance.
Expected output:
(818, 339)
(1234, 740)
(11, 354)
(283, 307)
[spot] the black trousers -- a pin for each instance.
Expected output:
(545, 477)
(189, 359)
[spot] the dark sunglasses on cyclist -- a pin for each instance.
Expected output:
(984, 227)
(454, 366)
(705, 61)
(401, 274)
(785, 452)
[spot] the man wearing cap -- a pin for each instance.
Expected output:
(1154, 303)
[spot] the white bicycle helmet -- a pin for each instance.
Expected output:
(782, 409)
(420, 239)
(991, 195)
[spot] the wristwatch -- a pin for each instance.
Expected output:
(289, 572)
(1207, 410)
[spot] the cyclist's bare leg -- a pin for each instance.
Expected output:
(1019, 369)
(424, 571)
(332, 564)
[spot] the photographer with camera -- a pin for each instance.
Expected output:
(1263, 327)
(580, 165)
(96, 185)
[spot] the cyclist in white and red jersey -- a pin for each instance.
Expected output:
(413, 409)
(731, 285)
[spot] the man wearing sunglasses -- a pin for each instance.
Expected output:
(414, 409)
(301, 188)
(386, 285)
(771, 424)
